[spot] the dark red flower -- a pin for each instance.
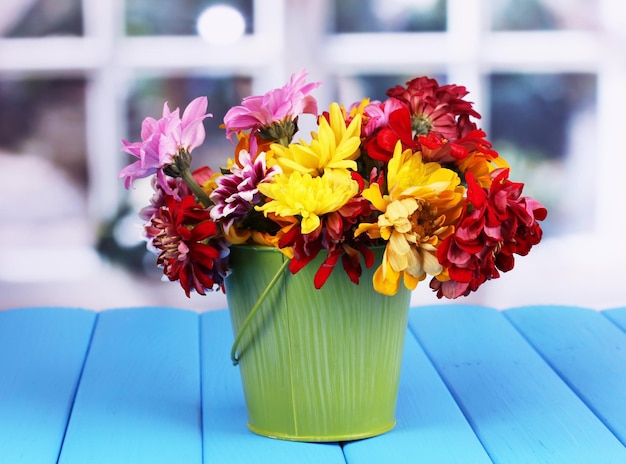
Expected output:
(435, 108)
(336, 236)
(424, 117)
(434, 148)
(496, 224)
(191, 250)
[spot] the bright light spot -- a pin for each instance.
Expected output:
(221, 24)
(128, 231)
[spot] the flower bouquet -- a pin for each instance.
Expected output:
(408, 188)
(413, 172)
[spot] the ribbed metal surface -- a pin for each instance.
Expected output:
(316, 365)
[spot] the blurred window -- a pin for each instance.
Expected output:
(40, 18)
(541, 124)
(389, 15)
(167, 17)
(529, 15)
(43, 160)
(45, 117)
(76, 76)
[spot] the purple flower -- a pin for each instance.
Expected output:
(163, 139)
(237, 192)
(278, 105)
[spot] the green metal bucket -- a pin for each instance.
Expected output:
(316, 365)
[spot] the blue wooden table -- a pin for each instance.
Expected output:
(156, 385)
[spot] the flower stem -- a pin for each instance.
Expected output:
(233, 352)
(196, 188)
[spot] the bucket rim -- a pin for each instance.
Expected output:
(270, 248)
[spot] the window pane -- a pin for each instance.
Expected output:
(389, 15)
(43, 157)
(522, 15)
(537, 121)
(40, 18)
(166, 17)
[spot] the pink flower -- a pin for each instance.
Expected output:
(163, 139)
(378, 114)
(278, 105)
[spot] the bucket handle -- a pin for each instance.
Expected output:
(234, 356)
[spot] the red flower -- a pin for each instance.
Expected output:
(435, 108)
(381, 143)
(434, 148)
(496, 224)
(190, 250)
(335, 235)
(424, 117)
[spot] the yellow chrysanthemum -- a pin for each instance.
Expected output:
(297, 194)
(334, 146)
(423, 201)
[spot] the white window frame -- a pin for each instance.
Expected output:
(290, 34)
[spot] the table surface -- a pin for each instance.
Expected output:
(156, 385)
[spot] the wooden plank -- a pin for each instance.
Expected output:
(226, 437)
(587, 351)
(617, 316)
(520, 409)
(41, 358)
(430, 426)
(139, 398)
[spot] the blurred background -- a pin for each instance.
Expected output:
(76, 76)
